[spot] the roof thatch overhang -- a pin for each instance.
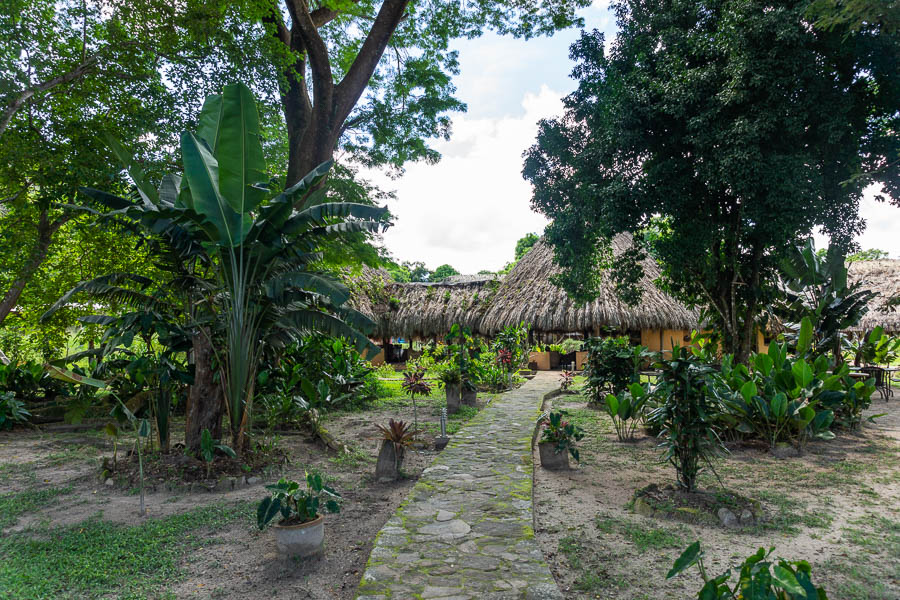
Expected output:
(882, 277)
(488, 304)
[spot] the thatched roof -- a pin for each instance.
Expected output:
(883, 277)
(486, 304)
(527, 294)
(419, 310)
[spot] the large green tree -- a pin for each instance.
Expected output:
(731, 129)
(64, 66)
(371, 78)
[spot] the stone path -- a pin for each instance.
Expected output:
(465, 531)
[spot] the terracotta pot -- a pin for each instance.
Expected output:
(389, 460)
(552, 460)
(453, 397)
(301, 541)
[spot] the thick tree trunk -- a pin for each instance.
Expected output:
(46, 231)
(315, 124)
(206, 403)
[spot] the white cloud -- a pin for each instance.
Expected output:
(882, 225)
(470, 208)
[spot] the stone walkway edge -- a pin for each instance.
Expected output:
(465, 531)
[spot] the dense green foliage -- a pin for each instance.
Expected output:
(816, 288)
(758, 579)
(443, 272)
(694, 124)
(686, 416)
(612, 364)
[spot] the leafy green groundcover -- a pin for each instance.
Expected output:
(97, 558)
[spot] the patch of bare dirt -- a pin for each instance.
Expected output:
(240, 561)
(837, 506)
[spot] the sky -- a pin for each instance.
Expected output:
(469, 209)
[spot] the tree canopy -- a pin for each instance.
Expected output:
(728, 146)
(443, 272)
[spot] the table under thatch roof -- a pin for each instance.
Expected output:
(881, 276)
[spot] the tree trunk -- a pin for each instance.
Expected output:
(315, 124)
(206, 402)
(46, 231)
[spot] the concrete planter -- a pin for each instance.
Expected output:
(552, 460)
(301, 541)
(389, 460)
(539, 361)
(453, 398)
(470, 397)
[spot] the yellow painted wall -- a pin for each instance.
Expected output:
(662, 340)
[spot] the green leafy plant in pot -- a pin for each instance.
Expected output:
(558, 439)
(301, 530)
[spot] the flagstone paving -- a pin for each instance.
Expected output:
(465, 531)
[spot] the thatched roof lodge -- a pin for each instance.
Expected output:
(881, 276)
(486, 304)
(527, 294)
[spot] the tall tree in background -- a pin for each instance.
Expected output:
(443, 272)
(64, 65)
(733, 128)
(330, 52)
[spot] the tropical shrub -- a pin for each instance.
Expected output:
(462, 357)
(758, 579)
(778, 398)
(566, 380)
(686, 415)
(875, 348)
(612, 364)
(513, 340)
(562, 434)
(262, 245)
(627, 409)
(297, 505)
(816, 288)
(209, 447)
(314, 358)
(12, 411)
(27, 380)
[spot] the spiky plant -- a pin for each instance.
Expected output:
(414, 384)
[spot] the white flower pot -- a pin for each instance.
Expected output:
(301, 541)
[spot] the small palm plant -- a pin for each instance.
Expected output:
(208, 447)
(414, 384)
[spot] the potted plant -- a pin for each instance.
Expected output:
(451, 379)
(301, 530)
(558, 438)
(397, 437)
(459, 377)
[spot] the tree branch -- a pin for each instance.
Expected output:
(357, 78)
(75, 73)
